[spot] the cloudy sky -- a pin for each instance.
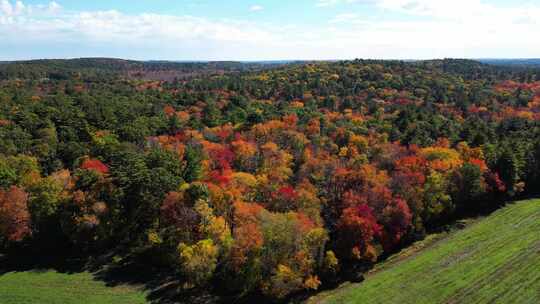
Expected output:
(269, 29)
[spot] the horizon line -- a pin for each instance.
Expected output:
(266, 60)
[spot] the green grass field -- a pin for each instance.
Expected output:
(51, 287)
(494, 260)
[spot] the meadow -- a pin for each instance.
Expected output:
(52, 287)
(494, 260)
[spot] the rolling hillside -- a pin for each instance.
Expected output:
(494, 260)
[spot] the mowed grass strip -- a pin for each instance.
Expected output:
(51, 287)
(495, 260)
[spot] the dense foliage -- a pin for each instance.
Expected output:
(274, 180)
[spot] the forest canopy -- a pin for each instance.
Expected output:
(258, 178)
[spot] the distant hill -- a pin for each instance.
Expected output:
(107, 67)
(90, 68)
(513, 62)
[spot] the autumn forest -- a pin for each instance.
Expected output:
(269, 180)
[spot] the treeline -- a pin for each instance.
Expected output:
(106, 69)
(273, 181)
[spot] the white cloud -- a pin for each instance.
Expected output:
(464, 28)
(5, 8)
(115, 27)
(458, 28)
(184, 37)
(256, 8)
(459, 10)
(18, 9)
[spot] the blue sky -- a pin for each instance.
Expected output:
(269, 30)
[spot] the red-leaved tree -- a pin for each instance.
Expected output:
(14, 215)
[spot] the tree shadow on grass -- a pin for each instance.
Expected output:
(19, 261)
(160, 285)
(165, 286)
